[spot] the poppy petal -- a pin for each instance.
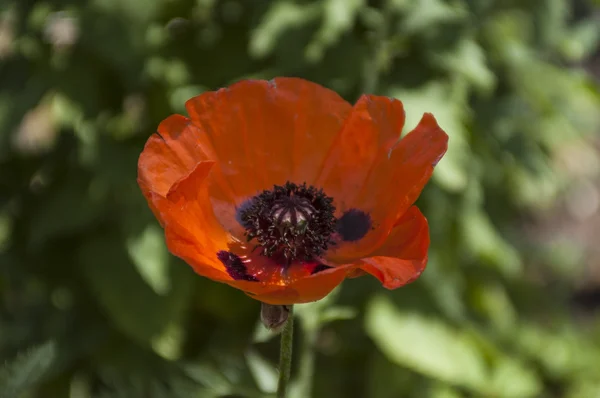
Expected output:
(319, 114)
(394, 185)
(403, 256)
(171, 154)
(414, 159)
(306, 290)
(369, 133)
(268, 132)
(191, 229)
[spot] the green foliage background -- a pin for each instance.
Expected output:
(92, 304)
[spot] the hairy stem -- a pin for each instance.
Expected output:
(285, 355)
(307, 359)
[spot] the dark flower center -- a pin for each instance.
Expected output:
(290, 222)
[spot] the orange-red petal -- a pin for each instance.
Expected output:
(403, 257)
(192, 231)
(394, 185)
(318, 115)
(369, 133)
(171, 154)
(305, 290)
(268, 132)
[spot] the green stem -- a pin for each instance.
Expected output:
(307, 358)
(285, 355)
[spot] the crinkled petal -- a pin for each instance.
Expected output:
(403, 256)
(191, 229)
(171, 154)
(393, 185)
(369, 133)
(268, 132)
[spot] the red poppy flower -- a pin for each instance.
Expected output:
(282, 189)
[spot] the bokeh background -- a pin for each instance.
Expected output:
(92, 304)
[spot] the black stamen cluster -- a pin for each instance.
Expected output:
(293, 221)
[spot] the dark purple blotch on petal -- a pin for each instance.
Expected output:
(353, 225)
(235, 267)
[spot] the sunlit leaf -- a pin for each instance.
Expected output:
(337, 313)
(423, 14)
(582, 40)
(483, 240)
(261, 333)
(468, 60)
(264, 373)
(450, 113)
(282, 15)
(339, 18)
(206, 374)
(511, 379)
(492, 300)
(424, 345)
(150, 257)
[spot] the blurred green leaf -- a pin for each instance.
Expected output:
(180, 95)
(563, 353)
(447, 286)
(468, 60)
(338, 18)
(425, 345)
(385, 380)
(25, 371)
(483, 241)
(264, 373)
(281, 16)
(168, 344)
(511, 379)
(317, 314)
(582, 40)
(448, 108)
(444, 391)
(150, 257)
(6, 226)
(492, 300)
(129, 301)
(424, 14)
(337, 313)
(64, 211)
(261, 333)
(204, 373)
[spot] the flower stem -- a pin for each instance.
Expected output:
(285, 355)
(307, 358)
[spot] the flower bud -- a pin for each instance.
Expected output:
(274, 317)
